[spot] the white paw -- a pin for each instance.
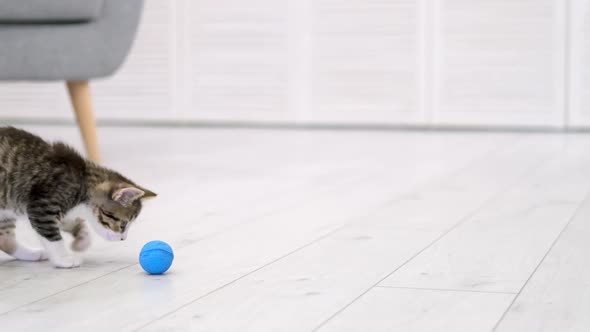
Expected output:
(58, 254)
(28, 254)
(40, 254)
(81, 243)
(66, 262)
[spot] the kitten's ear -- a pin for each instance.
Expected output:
(127, 195)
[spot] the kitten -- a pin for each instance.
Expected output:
(57, 190)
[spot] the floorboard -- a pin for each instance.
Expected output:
(557, 297)
(499, 248)
(391, 309)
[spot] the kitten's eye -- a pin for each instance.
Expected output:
(109, 215)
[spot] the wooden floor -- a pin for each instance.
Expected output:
(330, 231)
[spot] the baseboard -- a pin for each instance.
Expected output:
(296, 126)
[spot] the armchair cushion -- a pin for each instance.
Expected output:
(49, 11)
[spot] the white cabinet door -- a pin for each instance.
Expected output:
(499, 62)
(579, 69)
(235, 62)
(39, 101)
(366, 62)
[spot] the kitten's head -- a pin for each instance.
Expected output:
(115, 205)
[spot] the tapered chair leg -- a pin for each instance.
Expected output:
(81, 99)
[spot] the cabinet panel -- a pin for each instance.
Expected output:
(366, 61)
(579, 69)
(236, 60)
(499, 62)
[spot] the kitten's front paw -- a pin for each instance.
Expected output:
(81, 243)
(40, 255)
(28, 254)
(66, 262)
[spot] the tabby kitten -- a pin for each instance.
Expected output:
(57, 190)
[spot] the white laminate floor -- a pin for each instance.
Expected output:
(284, 230)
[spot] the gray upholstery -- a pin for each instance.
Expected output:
(72, 51)
(34, 11)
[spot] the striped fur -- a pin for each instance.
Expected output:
(49, 182)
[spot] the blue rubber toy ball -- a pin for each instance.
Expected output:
(156, 257)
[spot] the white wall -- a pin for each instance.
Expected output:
(439, 62)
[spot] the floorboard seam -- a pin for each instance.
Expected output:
(573, 216)
(64, 290)
(447, 290)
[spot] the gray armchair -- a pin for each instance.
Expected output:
(67, 40)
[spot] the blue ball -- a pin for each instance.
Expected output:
(156, 257)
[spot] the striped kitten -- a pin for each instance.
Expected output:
(58, 190)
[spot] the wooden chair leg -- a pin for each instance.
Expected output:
(81, 99)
